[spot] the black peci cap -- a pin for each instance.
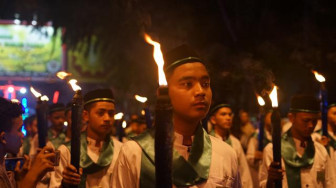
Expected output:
(218, 106)
(99, 95)
(56, 107)
(180, 55)
(305, 103)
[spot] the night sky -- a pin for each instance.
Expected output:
(246, 43)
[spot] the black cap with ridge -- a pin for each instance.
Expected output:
(217, 106)
(331, 102)
(305, 103)
(56, 107)
(180, 55)
(99, 95)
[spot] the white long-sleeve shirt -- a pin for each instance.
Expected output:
(308, 175)
(244, 170)
(101, 178)
(223, 169)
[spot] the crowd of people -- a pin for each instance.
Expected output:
(217, 157)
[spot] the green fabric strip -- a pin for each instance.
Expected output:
(185, 173)
(182, 61)
(228, 140)
(26, 145)
(293, 162)
(89, 167)
(56, 141)
(303, 110)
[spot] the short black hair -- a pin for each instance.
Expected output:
(29, 120)
(8, 111)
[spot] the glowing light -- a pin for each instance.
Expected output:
(118, 116)
(140, 99)
(10, 89)
(66, 123)
(319, 77)
(274, 97)
(74, 85)
(23, 90)
(17, 21)
(23, 130)
(124, 124)
(35, 93)
(55, 98)
(62, 75)
(44, 98)
(24, 102)
(34, 22)
(15, 101)
(143, 112)
(261, 101)
(158, 57)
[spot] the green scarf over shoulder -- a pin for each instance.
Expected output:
(189, 172)
(90, 167)
(293, 162)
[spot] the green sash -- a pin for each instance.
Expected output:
(90, 167)
(228, 140)
(59, 140)
(332, 142)
(293, 162)
(26, 145)
(185, 173)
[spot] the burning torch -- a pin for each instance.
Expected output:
(42, 114)
(261, 123)
(163, 124)
(324, 97)
(119, 121)
(276, 132)
(146, 109)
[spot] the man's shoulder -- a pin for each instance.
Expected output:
(220, 147)
(320, 150)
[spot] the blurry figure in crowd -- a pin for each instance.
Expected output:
(221, 118)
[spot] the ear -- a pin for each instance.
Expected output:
(2, 138)
(291, 117)
(85, 115)
(212, 120)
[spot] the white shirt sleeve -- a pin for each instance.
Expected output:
(127, 168)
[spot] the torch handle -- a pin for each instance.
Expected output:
(261, 133)
(42, 113)
(324, 112)
(163, 140)
(148, 118)
(120, 130)
(75, 134)
(276, 140)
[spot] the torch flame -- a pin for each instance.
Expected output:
(44, 98)
(124, 124)
(35, 93)
(62, 75)
(261, 101)
(319, 77)
(143, 112)
(118, 116)
(274, 97)
(74, 85)
(158, 57)
(140, 98)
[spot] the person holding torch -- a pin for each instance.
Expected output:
(199, 160)
(98, 150)
(304, 162)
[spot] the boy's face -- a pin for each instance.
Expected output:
(190, 92)
(57, 120)
(222, 118)
(304, 123)
(14, 137)
(332, 116)
(100, 117)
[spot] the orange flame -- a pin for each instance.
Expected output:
(140, 98)
(261, 101)
(274, 97)
(74, 85)
(62, 75)
(319, 77)
(34, 92)
(158, 57)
